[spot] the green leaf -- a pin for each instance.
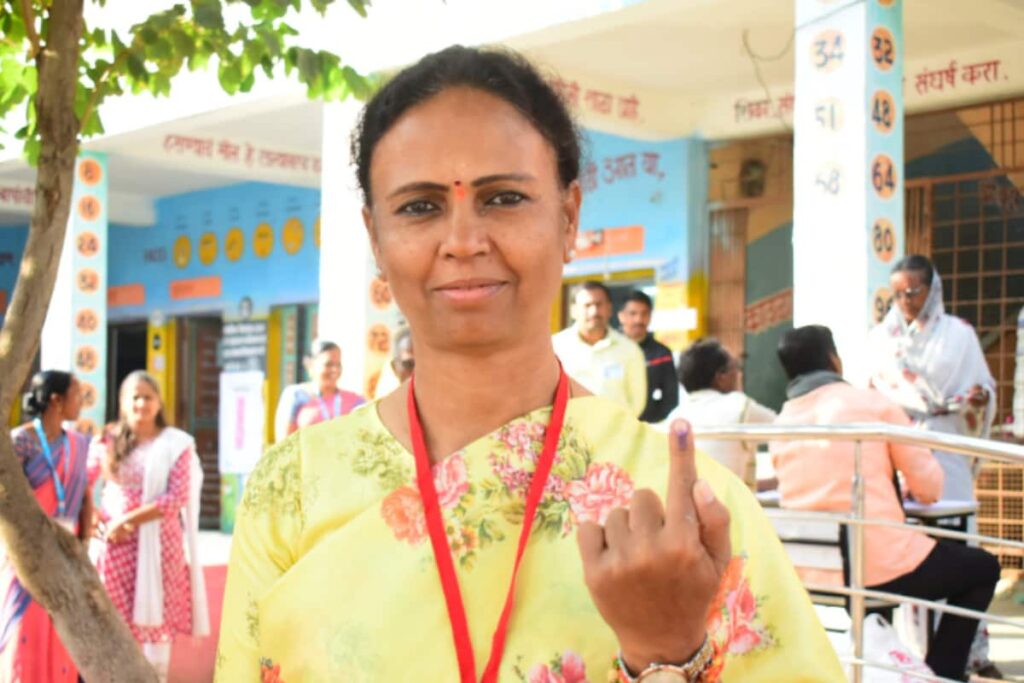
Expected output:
(208, 14)
(268, 66)
(183, 44)
(358, 5)
(198, 60)
(32, 151)
(16, 31)
(137, 68)
(308, 64)
(356, 83)
(230, 77)
(161, 49)
(94, 126)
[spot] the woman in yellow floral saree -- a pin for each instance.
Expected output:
(467, 526)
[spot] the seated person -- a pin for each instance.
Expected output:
(711, 377)
(817, 475)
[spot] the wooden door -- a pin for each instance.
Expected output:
(727, 278)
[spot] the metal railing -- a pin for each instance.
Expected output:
(859, 433)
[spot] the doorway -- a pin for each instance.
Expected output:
(727, 279)
(620, 284)
(126, 352)
(198, 403)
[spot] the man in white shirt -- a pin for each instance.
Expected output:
(603, 360)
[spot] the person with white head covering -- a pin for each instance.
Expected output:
(932, 365)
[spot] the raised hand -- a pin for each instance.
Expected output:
(653, 571)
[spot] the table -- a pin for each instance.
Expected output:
(934, 514)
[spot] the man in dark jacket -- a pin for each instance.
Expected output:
(662, 384)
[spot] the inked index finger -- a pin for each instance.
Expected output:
(682, 475)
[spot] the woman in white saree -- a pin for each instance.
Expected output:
(932, 365)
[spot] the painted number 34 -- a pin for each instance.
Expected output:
(828, 50)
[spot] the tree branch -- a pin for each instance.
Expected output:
(29, 17)
(49, 562)
(98, 87)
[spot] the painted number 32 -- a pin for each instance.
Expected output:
(883, 48)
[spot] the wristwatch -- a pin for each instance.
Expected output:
(690, 672)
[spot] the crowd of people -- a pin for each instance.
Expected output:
(469, 164)
(927, 369)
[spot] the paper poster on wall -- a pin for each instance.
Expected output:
(241, 421)
(672, 318)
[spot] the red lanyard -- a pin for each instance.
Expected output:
(439, 539)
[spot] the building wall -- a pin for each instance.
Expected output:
(638, 186)
(12, 245)
(768, 291)
(210, 249)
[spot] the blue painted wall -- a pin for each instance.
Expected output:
(655, 194)
(147, 256)
(12, 245)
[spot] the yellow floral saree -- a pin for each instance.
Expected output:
(332, 576)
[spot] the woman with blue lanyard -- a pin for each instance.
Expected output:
(53, 459)
(320, 399)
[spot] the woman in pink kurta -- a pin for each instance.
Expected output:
(53, 460)
(151, 478)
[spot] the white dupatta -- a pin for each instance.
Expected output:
(928, 366)
(160, 456)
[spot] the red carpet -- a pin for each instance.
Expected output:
(192, 659)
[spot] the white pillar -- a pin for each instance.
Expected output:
(74, 333)
(848, 167)
(344, 248)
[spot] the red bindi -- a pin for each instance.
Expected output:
(460, 190)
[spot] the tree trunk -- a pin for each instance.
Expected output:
(50, 562)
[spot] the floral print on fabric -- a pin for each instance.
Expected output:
(403, 512)
(274, 487)
(565, 668)
(467, 526)
(734, 624)
(604, 488)
(270, 672)
(577, 490)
